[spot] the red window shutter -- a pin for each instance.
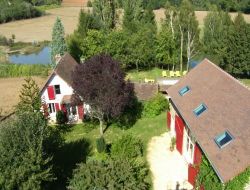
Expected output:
(51, 92)
(168, 119)
(192, 174)
(197, 155)
(80, 111)
(57, 106)
(179, 127)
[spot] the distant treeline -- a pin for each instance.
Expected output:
(226, 5)
(14, 70)
(21, 9)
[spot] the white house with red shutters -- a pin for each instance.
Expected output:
(57, 91)
(210, 115)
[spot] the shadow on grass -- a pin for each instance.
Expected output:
(66, 159)
(65, 128)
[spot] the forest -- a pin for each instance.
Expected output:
(138, 42)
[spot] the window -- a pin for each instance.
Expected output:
(184, 90)
(57, 89)
(200, 109)
(51, 108)
(223, 139)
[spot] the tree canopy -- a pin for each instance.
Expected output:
(100, 82)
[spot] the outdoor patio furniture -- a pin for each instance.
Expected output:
(177, 73)
(149, 80)
(184, 73)
(164, 74)
(171, 73)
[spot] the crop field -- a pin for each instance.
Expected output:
(10, 89)
(39, 29)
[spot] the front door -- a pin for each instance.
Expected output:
(188, 147)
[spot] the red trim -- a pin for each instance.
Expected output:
(179, 127)
(51, 93)
(80, 111)
(57, 106)
(168, 119)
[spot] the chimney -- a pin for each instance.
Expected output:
(57, 58)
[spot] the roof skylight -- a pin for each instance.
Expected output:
(200, 109)
(223, 139)
(184, 90)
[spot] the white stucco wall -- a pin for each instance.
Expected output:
(64, 88)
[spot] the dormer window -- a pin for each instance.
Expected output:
(200, 109)
(223, 139)
(184, 90)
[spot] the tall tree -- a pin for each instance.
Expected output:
(24, 163)
(58, 45)
(101, 83)
(105, 12)
(189, 31)
(29, 97)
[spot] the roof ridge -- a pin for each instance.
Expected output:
(227, 74)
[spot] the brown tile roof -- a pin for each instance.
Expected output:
(228, 103)
(65, 68)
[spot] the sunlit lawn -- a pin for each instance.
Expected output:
(246, 82)
(154, 73)
(144, 128)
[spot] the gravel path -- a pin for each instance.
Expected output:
(168, 168)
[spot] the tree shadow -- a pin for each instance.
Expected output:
(66, 159)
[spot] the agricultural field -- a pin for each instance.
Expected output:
(10, 88)
(39, 29)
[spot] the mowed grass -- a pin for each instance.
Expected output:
(140, 76)
(144, 128)
(246, 82)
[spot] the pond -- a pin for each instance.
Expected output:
(42, 57)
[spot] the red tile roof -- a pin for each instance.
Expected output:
(228, 109)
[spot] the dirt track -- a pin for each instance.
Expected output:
(39, 29)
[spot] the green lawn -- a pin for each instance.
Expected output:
(154, 73)
(246, 82)
(144, 128)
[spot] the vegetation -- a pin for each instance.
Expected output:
(100, 82)
(24, 163)
(14, 70)
(58, 44)
(127, 146)
(29, 97)
(100, 144)
(209, 180)
(61, 117)
(110, 174)
(155, 106)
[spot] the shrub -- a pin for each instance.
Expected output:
(89, 4)
(127, 146)
(100, 144)
(155, 106)
(61, 117)
(110, 174)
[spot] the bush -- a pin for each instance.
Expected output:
(127, 146)
(101, 145)
(89, 4)
(155, 106)
(61, 117)
(110, 174)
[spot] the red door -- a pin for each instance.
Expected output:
(80, 111)
(179, 127)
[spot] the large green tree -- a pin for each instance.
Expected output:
(24, 163)
(58, 44)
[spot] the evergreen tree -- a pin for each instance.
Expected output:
(29, 97)
(58, 45)
(24, 163)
